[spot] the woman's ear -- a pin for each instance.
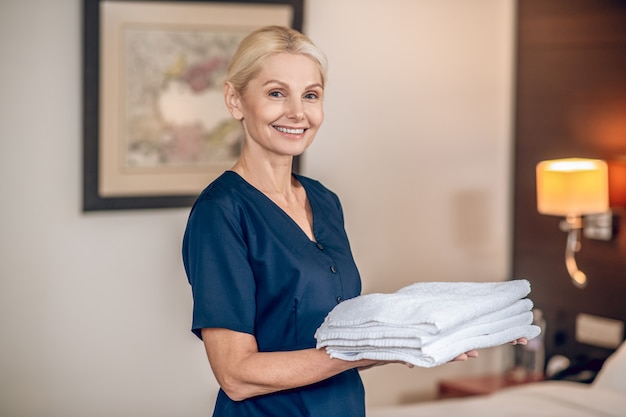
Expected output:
(233, 101)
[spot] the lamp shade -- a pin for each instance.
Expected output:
(572, 186)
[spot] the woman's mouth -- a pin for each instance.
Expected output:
(291, 131)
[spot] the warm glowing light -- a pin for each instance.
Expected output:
(572, 186)
(568, 165)
(617, 182)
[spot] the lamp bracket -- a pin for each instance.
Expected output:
(598, 226)
(571, 222)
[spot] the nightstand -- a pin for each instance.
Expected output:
(480, 385)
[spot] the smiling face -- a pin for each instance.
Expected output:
(281, 108)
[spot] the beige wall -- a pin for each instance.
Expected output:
(94, 309)
(417, 142)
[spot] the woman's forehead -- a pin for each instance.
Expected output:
(290, 67)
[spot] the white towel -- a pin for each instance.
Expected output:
(427, 358)
(428, 323)
(431, 306)
(434, 342)
(415, 336)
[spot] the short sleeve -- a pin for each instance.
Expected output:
(216, 261)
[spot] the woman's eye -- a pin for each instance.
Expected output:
(311, 96)
(275, 94)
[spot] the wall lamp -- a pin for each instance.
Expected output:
(573, 188)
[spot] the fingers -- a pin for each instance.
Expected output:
(465, 356)
(472, 354)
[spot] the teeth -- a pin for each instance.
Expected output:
(290, 131)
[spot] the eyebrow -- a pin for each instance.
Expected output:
(287, 86)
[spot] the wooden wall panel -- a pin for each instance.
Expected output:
(570, 101)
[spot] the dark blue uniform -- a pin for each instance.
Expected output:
(252, 269)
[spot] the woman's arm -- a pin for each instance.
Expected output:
(243, 372)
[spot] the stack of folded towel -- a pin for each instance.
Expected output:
(428, 323)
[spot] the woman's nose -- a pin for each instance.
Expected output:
(296, 111)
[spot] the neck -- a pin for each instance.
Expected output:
(268, 177)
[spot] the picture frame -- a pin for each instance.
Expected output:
(155, 127)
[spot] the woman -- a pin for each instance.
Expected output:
(265, 250)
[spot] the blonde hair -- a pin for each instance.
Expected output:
(265, 42)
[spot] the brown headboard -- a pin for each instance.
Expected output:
(570, 101)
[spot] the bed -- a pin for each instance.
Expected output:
(605, 396)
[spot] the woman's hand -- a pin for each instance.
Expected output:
(374, 364)
(465, 356)
(474, 353)
(461, 358)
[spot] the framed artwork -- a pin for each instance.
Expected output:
(155, 127)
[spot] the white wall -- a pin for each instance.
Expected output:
(94, 309)
(417, 143)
